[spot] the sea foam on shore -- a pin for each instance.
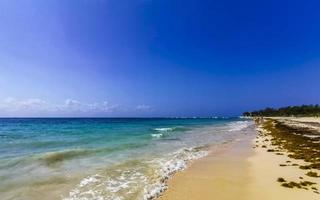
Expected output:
(105, 158)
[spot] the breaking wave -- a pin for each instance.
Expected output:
(135, 179)
(52, 158)
(170, 129)
(165, 131)
(240, 125)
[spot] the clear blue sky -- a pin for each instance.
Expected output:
(157, 57)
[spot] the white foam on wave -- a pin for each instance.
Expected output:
(88, 180)
(143, 181)
(178, 161)
(158, 135)
(239, 125)
(164, 129)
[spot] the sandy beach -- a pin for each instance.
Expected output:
(249, 168)
(218, 175)
(113, 161)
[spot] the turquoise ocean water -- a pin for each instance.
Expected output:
(103, 158)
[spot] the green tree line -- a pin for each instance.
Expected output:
(297, 111)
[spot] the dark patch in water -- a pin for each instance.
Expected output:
(51, 181)
(57, 157)
(171, 139)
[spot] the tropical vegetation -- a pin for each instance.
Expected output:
(296, 111)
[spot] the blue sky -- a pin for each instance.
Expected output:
(157, 57)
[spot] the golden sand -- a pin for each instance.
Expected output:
(265, 169)
(223, 174)
(240, 171)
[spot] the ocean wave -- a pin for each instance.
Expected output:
(57, 157)
(171, 129)
(135, 179)
(8, 163)
(164, 129)
(52, 158)
(178, 161)
(239, 125)
(158, 135)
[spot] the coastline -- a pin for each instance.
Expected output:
(117, 165)
(218, 175)
(248, 169)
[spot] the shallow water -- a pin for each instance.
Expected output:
(102, 158)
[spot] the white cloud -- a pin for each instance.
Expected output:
(72, 102)
(77, 106)
(34, 106)
(12, 104)
(72, 105)
(107, 107)
(143, 107)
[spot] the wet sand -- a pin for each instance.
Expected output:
(244, 170)
(223, 174)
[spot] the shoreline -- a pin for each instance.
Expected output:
(216, 175)
(114, 168)
(247, 169)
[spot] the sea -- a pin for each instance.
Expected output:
(103, 158)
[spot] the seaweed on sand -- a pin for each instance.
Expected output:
(281, 180)
(313, 174)
(296, 141)
(293, 184)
